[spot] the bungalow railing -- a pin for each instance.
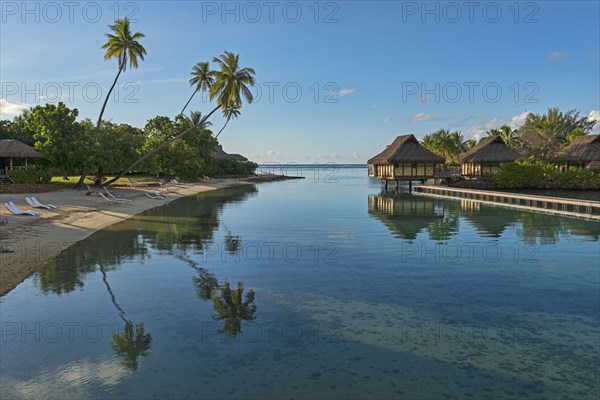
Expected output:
(450, 172)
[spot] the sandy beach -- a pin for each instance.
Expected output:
(27, 243)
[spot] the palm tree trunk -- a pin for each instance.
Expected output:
(161, 146)
(226, 122)
(113, 299)
(97, 130)
(188, 102)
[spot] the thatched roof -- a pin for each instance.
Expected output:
(406, 149)
(593, 166)
(10, 148)
(583, 149)
(490, 149)
(221, 154)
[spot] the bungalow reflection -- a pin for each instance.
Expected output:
(406, 216)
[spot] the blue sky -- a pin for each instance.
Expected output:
(337, 80)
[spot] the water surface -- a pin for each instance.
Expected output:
(310, 289)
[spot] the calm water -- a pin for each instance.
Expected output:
(311, 290)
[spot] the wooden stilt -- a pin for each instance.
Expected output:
(409, 186)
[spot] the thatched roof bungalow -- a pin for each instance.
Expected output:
(10, 148)
(486, 156)
(221, 155)
(404, 160)
(583, 151)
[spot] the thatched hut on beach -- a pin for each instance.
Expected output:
(221, 155)
(404, 160)
(583, 152)
(11, 149)
(486, 156)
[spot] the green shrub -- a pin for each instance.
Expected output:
(576, 179)
(231, 166)
(30, 176)
(520, 175)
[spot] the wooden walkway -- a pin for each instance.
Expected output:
(587, 209)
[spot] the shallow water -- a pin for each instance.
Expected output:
(347, 293)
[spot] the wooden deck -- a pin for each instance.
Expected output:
(587, 209)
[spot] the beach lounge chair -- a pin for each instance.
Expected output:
(91, 191)
(111, 200)
(33, 202)
(133, 183)
(155, 197)
(155, 193)
(10, 206)
(36, 201)
(119, 199)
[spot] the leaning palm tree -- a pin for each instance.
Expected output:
(231, 85)
(123, 45)
(201, 78)
(229, 113)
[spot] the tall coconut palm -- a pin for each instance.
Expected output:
(123, 45)
(202, 79)
(229, 113)
(231, 84)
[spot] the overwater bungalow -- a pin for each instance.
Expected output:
(404, 160)
(583, 152)
(486, 156)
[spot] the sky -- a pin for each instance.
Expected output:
(337, 81)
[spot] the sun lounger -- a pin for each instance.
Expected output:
(154, 192)
(36, 201)
(111, 200)
(115, 197)
(133, 183)
(33, 202)
(10, 206)
(154, 197)
(91, 191)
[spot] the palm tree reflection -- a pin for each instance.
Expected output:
(230, 307)
(132, 344)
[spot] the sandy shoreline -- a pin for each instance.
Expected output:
(28, 243)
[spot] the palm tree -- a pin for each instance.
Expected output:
(123, 45)
(132, 344)
(230, 306)
(507, 134)
(231, 84)
(202, 78)
(229, 113)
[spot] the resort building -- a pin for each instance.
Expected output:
(221, 155)
(9, 151)
(404, 160)
(583, 152)
(486, 156)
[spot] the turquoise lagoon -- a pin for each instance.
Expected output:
(321, 288)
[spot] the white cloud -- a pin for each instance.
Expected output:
(421, 117)
(478, 130)
(518, 120)
(343, 92)
(386, 119)
(269, 155)
(557, 55)
(595, 116)
(9, 110)
(355, 155)
(333, 156)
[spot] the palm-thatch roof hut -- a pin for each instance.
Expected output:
(404, 160)
(221, 155)
(486, 156)
(593, 166)
(582, 151)
(10, 148)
